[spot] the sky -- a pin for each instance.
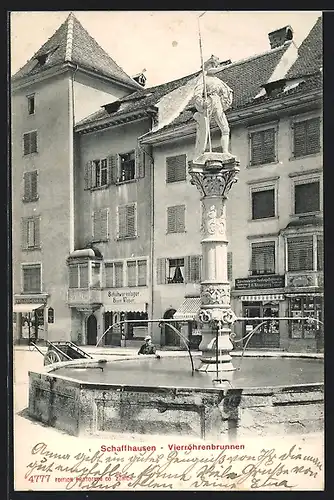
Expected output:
(164, 43)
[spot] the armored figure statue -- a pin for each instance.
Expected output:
(211, 100)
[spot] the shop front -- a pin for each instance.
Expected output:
(30, 317)
(188, 324)
(255, 298)
(124, 304)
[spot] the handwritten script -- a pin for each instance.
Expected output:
(168, 469)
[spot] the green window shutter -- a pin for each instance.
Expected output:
(161, 271)
(176, 168)
(112, 169)
(140, 163)
(229, 266)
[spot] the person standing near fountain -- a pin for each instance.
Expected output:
(148, 347)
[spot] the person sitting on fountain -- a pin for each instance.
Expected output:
(148, 347)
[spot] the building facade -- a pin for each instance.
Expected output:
(126, 222)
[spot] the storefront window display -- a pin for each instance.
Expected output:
(301, 307)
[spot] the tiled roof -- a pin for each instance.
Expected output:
(72, 43)
(310, 53)
(245, 77)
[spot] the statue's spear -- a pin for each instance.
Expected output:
(203, 75)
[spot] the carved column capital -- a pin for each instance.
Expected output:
(214, 178)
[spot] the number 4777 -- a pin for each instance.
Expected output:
(39, 478)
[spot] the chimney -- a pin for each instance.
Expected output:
(279, 37)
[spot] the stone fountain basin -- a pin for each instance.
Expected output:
(145, 395)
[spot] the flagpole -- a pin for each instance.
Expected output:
(204, 82)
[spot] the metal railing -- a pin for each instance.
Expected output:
(161, 322)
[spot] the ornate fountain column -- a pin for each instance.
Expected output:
(214, 174)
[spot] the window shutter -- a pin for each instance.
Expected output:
(33, 142)
(300, 253)
(176, 168)
(140, 163)
(33, 188)
(131, 220)
(263, 258)
(37, 232)
(229, 266)
(88, 175)
(192, 268)
(112, 169)
(269, 145)
(142, 272)
(118, 268)
(161, 271)
(299, 139)
(307, 197)
(109, 274)
(176, 219)
(263, 147)
(313, 136)
(100, 225)
(26, 144)
(121, 219)
(26, 186)
(24, 235)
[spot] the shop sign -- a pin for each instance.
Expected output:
(125, 296)
(258, 282)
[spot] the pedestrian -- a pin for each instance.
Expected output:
(148, 347)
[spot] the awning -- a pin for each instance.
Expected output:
(25, 308)
(124, 307)
(262, 298)
(304, 294)
(188, 309)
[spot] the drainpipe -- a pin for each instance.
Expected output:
(152, 201)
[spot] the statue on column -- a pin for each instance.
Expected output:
(211, 100)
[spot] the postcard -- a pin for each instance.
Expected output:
(167, 250)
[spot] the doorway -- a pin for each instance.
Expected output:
(171, 338)
(267, 336)
(91, 330)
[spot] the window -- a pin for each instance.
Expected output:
(30, 186)
(176, 168)
(263, 258)
(30, 233)
(300, 253)
(114, 274)
(306, 137)
(99, 173)
(307, 197)
(179, 270)
(137, 272)
(176, 219)
(263, 146)
(79, 275)
(31, 278)
(31, 104)
(320, 253)
(263, 204)
(96, 274)
(306, 306)
(127, 166)
(100, 225)
(30, 143)
(175, 271)
(127, 223)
